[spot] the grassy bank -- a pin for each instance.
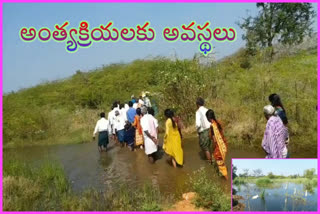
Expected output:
(46, 188)
(236, 87)
(210, 194)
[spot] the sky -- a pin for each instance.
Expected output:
(28, 64)
(276, 166)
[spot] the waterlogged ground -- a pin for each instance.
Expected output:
(86, 167)
(278, 197)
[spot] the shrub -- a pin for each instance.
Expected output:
(263, 182)
(210, 194)
(47, 113)
(20, 193)
(271, 175)
(239, 181)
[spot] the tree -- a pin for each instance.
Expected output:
(246, 172)
(294, 176)
(271, 175)
(234, 172)
(286, 23)
(309, 173)
(257, 172)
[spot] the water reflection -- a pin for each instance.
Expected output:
(87, 168)
(279, 197)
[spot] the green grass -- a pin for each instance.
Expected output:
(262, 194)
(264, 182)
(46, 188)
(27, 188)
(65, 111)
(211, 195)
(295, 180)
(240, 181)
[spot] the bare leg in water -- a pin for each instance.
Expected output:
(151, 159)
(115, 138)
(208, 156)
(174, 164)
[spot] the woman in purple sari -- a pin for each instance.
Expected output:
(275, 135)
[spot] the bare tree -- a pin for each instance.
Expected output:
(246, 172)
(257, 172)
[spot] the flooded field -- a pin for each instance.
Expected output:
(284, 196)
(85, 167)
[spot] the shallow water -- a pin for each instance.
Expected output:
(86, 167)
(278, 197)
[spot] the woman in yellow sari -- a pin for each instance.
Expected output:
(172, 140)
(137, 125)
(219, 142)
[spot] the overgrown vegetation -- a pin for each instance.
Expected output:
(210, 194)
(263, 182)
(65, 111)
(239, 181)
(46, 188)
(262, 194)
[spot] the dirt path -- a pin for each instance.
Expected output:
(186, 204)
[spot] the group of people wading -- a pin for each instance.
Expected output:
(134, 125)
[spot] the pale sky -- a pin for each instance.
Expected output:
(276, 166)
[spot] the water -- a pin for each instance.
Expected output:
(85, 167)
(278, 197)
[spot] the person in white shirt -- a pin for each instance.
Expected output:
(151, 111)
(126, 106)
(140, 102)
(119, 127)
(146, 101)
(149, 127)
(203, 126)
(135, 105)
(123, 112)
(111, 118)
(116, 108)
(102, 128)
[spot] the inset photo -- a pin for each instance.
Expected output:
(274, 185)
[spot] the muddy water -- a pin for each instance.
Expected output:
(86, 167)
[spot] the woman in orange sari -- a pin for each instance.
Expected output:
(136, 124)
(219, 142)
